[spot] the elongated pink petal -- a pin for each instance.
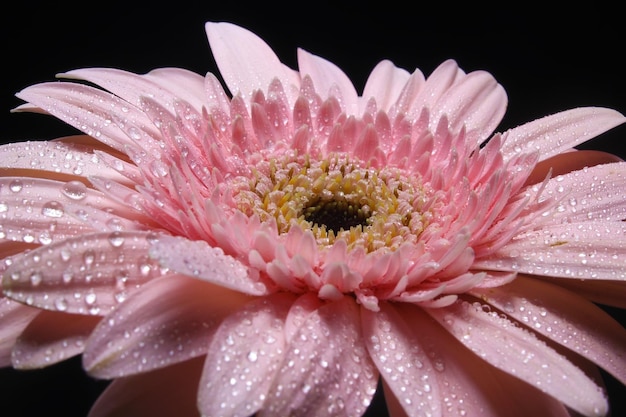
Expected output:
(477, 102)
(594, 193)
(591, 250)
(403, 363)
(518, 352)
(165, 85)
(56, 157)
(106, 117)
(15, 317)
(559, 132)
(436, 84)
(88, 274)
(437, 373)
(44, 211)
(198, 259)
(165, 392)
(326, 369)
(385, 83)
(564, 317)
(243, 358)
(52, 337)
(327, 78)
(246, 62)
(169, 321)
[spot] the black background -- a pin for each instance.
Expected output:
(548, 60)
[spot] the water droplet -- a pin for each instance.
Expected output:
(89, 257)
(253, 356)
(52, 209)
(90, 298)
(116, 239)
(16, 186)
(74, 190)
(36, 278)
(60, 304)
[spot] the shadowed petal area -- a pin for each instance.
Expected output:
(166, 392)
(243, 358)
(518, 352)
(326, 369)
(52, 337)
(426, 363)
(610, 293)
(15, 317)
(564, 317)
(169, 321)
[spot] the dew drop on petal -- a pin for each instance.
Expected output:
(52, 209)
(16, 186)
(36, 278)
(116, 239)
(74, 190)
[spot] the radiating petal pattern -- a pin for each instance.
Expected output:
(285, 245)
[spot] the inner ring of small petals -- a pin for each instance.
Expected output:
(338, 197)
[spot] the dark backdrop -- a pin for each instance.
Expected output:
(547, 61)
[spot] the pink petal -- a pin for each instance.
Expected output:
(327, 76)
(96, 113)
(165, 85)
(438, 82)
(56, 157)
(246, 62)
(588, 250)
(166, 392)
(170, 320)
(403, 364)
(518, 352)
(45, 211)
(421, 361)
(477, 102)
(89, 274)
(594, 193)
(14, 317)
(559, 132)
(385, 83)
(198, 259)
(243, 358)
(52, 337)
(326, 369)
(564, 317)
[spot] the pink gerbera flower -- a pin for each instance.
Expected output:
(291, 248)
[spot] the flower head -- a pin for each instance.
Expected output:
(282, 248)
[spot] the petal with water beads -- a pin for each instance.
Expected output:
(326, 369)
(89, 274)
(170, 320)
(518, 352)
(199, 260)
(243, 357)
(565, 317)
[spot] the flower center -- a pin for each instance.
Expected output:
(337, 197)
(336, 215)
